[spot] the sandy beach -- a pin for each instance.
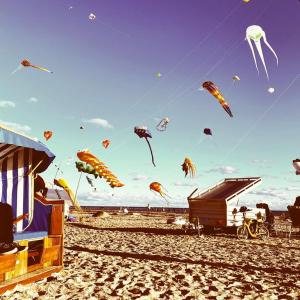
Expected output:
(142, 257)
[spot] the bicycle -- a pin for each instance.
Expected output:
(253, 228)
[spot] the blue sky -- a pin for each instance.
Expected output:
(106, 69)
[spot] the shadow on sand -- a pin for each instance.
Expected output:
(153, 257)
(156, 231)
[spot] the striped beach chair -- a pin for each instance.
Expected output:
(16, 187)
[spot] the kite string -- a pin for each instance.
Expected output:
(262, 116)
(221, 60)
(188, 54)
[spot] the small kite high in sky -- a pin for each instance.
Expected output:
(207, 131)
(26, 63)
(48, 134)
(214, 90)
(255, 33)
(158, 188)
(236, 78)
(162, 125)
(92, 16)
(188, 167)
(143, 132)
(105, 143)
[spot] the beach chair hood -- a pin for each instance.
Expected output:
(20, 157)
(11, 141)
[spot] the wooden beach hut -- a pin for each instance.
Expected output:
(294, 212)
(21, 158)
(218, 206)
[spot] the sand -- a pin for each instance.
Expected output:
(142, 257)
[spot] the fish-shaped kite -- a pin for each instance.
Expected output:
(214, 90)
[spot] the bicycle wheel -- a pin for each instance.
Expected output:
(242, 233)
(262, 232)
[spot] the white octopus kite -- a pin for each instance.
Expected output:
(255, 33)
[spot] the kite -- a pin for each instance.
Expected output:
(81, 127)
(157, 187)
(214, 90)
(92, 16)
(27, 63)
(255, 33)
(99, 167)
(207, 131)
(162, 125)
(188, 167)
(65, 185)
(83, 167)
(246, 1)
(158, 74)
(296, 165)
(143, 132)
(90, 181)
(105, 143)
(48, 134)
(236, 78)
(271, 90)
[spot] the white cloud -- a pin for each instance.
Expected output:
(33, 100)
(126, 198)
(223, 170)
(4, 103)
(180, 183)
(100, 122)
(263, 163)
(139, 177)
(16, 126)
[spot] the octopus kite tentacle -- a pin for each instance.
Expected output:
(188, 167)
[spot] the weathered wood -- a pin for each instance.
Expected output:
(57, 220)
(50, 254)
(28, 278)
(7, 263)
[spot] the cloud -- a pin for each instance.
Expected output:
(16, 126)
(4, 103)
(263, 163)
(223, 170)
(180, 183)
(100, 122)
(33, 100)
(127, 198)
(292, 188)
(139, 177)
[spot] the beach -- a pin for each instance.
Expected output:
(140, 256)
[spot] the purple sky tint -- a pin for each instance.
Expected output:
(106, 68)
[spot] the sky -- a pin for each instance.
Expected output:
(105, 79)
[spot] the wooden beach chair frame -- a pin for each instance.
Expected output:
(22, 157)
(14, 268)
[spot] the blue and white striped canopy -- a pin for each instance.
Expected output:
(20, 156)
(11, 141)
